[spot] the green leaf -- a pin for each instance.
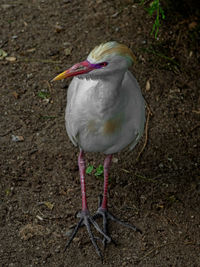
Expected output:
(99, 170)
(162, 13)
(43, 94)
(89, 169)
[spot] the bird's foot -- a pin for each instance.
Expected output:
(88, 220)
(106, 215)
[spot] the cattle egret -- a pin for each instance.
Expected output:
(105, 113)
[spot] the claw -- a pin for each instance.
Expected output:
(115, 219)
(106, 215)
(87, 220)
(73, 233)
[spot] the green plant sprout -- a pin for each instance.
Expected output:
(89, 169)
(155, 7)
(99, 170)
(43, 94)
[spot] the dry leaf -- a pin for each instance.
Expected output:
(15, 94)
(3, 54)
(148, 85)
(31, 50)
(192, 25)
(11, 59)
(49, 205)
(68, 51)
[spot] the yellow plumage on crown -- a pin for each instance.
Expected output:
(102, 50)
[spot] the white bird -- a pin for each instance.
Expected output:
(105, 113)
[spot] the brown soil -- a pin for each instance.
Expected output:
(39, 178)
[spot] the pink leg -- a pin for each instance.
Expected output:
(107, 162)
(85, 217)
(103, 211)
(81, 164)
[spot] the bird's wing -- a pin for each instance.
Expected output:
(72, 130)
(135, 109)
(138, 111)
(130, 114)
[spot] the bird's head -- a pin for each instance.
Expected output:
(103, 59)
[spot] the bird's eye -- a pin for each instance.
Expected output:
(103, 64)
(99, 65)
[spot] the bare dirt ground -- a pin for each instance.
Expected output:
(39, 180)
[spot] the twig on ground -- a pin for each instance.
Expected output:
(25, 59)
(10, 131)
(196, 111)
(154, 249)
(195, 127)
(146, 131)
(164, 245)
(49, 85)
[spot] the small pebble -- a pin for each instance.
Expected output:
(29, 75)
(67, 44)
(57, 249)
(17, 138)
(161, 165)
(115, 160)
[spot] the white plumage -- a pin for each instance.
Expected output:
(105, 113)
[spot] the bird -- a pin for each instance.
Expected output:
(105, 113)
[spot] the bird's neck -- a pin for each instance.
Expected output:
(108, 92)
(104, 92)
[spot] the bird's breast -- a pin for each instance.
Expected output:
(112, 125)
(103, 118)
(104, 126)
(93, 111)
(95, 97)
